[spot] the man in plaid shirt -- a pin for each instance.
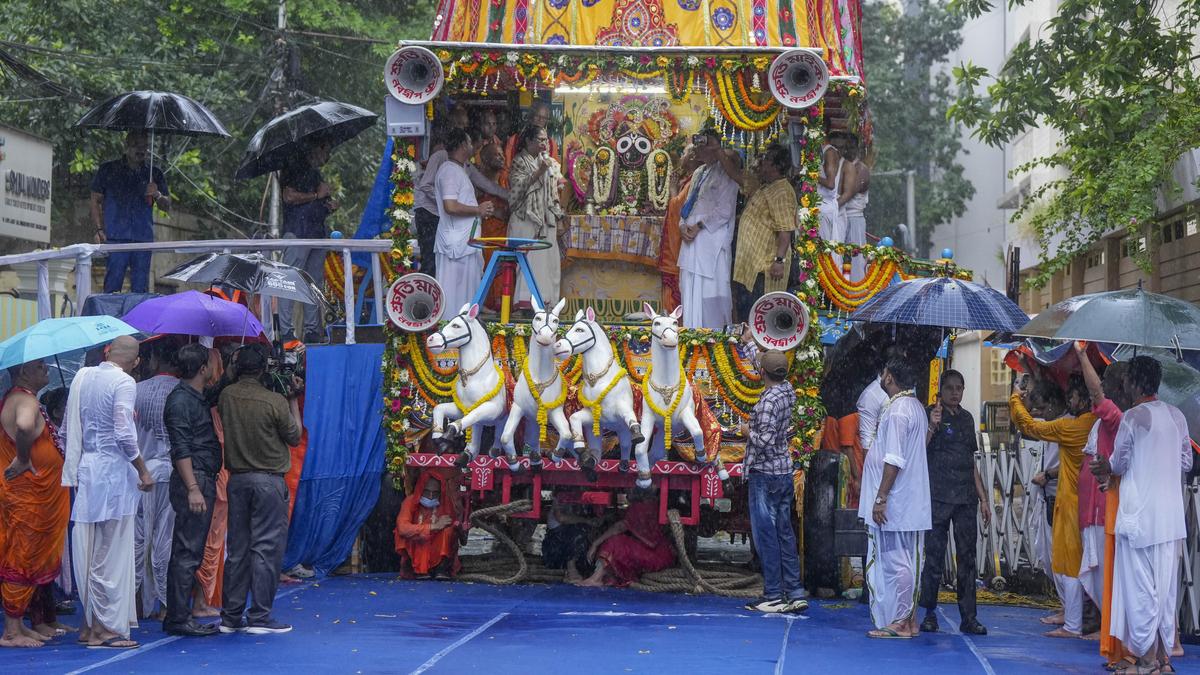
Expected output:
(768, 466)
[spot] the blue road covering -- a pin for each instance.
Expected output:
(377, 624)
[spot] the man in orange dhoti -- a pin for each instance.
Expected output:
(33, 504)
(668, 256)
(427, 534)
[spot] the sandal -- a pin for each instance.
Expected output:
(112, 643)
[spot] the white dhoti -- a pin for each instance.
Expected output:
(153, 529)
(460, 279)
(856, 233)
(1145, 589)
(832, 227)
(546, 265)
(893, 573)
(1091, 570)
(102, 554)
(706, 296)
(1070, 592)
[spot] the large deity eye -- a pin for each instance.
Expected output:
(643, 145)
(624, 144)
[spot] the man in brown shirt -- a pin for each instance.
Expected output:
(259, 426)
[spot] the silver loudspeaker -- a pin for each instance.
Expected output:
(779, 321)
(414, 302)
(798, 78)
(414, 75)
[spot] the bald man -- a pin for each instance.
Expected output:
(106, 468)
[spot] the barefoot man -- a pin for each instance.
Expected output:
(34, 505)
(895, 504)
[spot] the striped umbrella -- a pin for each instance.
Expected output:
(943, 302)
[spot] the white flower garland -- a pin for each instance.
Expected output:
(658, 190)
(602, 180)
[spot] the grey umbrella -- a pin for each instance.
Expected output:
(1180, 384)
(1130, 317)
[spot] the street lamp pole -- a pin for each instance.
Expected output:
(910, 197)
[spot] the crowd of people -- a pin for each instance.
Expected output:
(151, 488)
(720, 253)
(1105, 509)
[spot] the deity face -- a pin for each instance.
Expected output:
(632, 149)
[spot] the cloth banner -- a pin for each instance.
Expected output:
(343, 410)
(375, 217)
(635, 239)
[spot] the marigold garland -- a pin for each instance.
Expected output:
(468, 409)
(595, 405)
(543, 408)
(670, 411)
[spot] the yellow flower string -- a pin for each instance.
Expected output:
(595, 405)
(468, 409)
(427, 380)
(745, 394)
(670, 411)
(543, 407)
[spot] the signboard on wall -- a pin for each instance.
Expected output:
(25, 166)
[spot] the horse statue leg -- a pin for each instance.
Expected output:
(533, 443)
(442, 436)
(515, 415)
(626, 444)
(488, 412)
(558, 419)
(642, 452)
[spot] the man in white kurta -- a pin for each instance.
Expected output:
(155, 521)
(706, 227)
(895, 504)
(459, 265)
(105, 466)
(1151, 452)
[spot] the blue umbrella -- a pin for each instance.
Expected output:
(52, 337)
(944, 302)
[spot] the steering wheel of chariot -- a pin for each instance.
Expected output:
(508, 254)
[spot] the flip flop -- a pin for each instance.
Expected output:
(111, 643)
(887, 634)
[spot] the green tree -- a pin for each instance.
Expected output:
(224, 53)
(1117, 81)
(909, 95)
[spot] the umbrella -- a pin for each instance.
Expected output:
(154, 112)
(194, 313)
(1130, 317)
(1180, 384)
(944, 302)
(252, 273)
(52, 337)
(277, 143)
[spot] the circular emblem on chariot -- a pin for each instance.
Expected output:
(779, 321)
(414, 302)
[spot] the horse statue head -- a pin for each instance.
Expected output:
(584, 334)
(664, 328)
(458, 332)
(545, 323)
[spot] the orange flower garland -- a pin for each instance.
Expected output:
(848, 295)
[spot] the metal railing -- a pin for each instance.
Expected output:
(83, 254)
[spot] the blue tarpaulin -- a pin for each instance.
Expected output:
(343, 411)
(375, 218)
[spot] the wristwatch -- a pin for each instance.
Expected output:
(880, 500)
(779, 259)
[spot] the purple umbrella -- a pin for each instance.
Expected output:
(194, 313)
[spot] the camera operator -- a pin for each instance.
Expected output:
(260, 425)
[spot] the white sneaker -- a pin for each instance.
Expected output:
(773, 606)
(796, 606)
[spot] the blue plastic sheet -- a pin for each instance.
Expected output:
(375, 218)
(343, 411)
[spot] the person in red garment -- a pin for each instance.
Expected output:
(428, 533)
(633, 546)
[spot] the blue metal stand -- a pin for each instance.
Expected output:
(493, 268)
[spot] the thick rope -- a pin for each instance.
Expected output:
(480, 519)
(728, 583)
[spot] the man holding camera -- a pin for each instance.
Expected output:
(260, 425)
(706, 226)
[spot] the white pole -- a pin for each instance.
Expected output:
(377, 276)
(83, 279)
(348, 294)
(44, 309)
(910, 207)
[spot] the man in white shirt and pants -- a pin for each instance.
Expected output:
(706, 227)
(459, 266)
(155, 522)
(895, 504)
(1151, 453)
(104, 465)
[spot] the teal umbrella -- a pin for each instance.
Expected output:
(52, 337)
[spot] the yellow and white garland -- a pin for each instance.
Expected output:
(468, 409)
(604, 172)
(595, 405)
(543, 407)
(667, 414)
(658, 179)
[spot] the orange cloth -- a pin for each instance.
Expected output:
(493, 227)
(1110, 647)
(668, 257)
(298, 451)
(35, 509)
(1071, 434)
(848, 430)
(419, 546)
(212, 567)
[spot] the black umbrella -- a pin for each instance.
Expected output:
(252, 273)
(156, 112)
(276, 144)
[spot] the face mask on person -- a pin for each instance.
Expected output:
(430, 502)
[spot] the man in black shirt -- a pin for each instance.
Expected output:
(306, 205)
(196, 455)
(957, 492)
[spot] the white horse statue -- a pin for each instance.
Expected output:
(605, 393)
(667, 394)
(541, 391)
(479, 396)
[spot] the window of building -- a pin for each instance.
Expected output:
(998, 372)
(1191, 226)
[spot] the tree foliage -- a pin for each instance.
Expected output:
(1117, 81)
(910, 94)
(226, 54)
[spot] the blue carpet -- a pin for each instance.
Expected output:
(375, 624)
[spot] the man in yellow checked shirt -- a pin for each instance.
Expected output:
(1071, 433)
(764, 253)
